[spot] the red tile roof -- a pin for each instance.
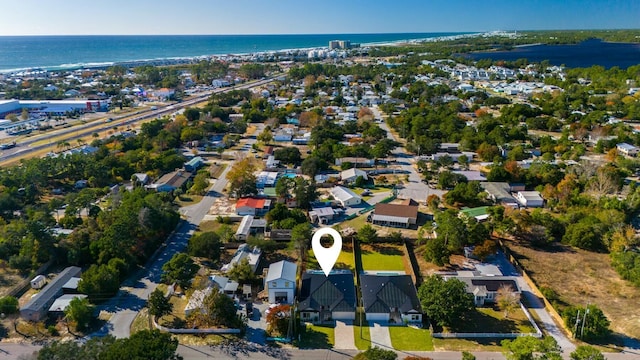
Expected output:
(250, 202)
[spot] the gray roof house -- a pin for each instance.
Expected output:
(280, 282)
(500, 193)
(36, 309)
(327, 298)
(390, 298)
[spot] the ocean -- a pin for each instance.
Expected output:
(584, 54)
(60, 52)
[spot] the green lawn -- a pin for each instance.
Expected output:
(387, 258)
(186, 200)
(317, 337)
(214, 225)
(364, 342)
(408, 338)
(355, 223)
(492, 320)
(345, 261)
(467, 345)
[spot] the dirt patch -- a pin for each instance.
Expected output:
(428, 268)
(586, 278)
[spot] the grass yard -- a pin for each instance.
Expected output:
(345, 260)
(492, 320)
(409, 338)
(385, 257)
(141, 322)
(364, 342)
(317, 337)
(587, 277)
(186, 200)
(216, 170)
(213, 225)
(466, 345)
(355, 223)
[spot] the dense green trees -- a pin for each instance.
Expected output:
(206, 244)
(530, 348)
(587, 323)
(586, 352)
(445, 302)
(158, 304)
(242, 272)
(180, 269)
(79, 312)
(8, 305)
(376, 353)
(367, 234)
(143, 345)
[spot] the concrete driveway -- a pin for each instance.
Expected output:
(345, 340)
(380, 336)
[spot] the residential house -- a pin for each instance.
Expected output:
(224, 284)
(390, 298)
(355, 161)
(280, 282)
(401, 215)
(280, 234)
(471, 175)
(325, 299)
(38, 306)
(530, 199)
(345, 196)
(141, 178)
(60, 304)
(479, 213)
(194, 164)
(322, 215)
(245, 252)
(485, 288)
(500, 193)
(252, 206)
(250, 226)
(171, 181)
(627, 149)
(349, 176)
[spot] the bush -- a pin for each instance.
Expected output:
(468, 356)
(8, 305)
(52, 330)
(376, 353)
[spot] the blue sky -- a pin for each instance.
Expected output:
(71, 17)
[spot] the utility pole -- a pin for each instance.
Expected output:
(584, 320)
(575, 331)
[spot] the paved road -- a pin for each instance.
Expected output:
(535, 305)
(24, 148)
(415, 189)
(135, 291)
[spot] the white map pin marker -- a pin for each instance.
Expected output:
(326, 256)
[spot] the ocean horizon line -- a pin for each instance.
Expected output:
(253, 35)
(73, 65)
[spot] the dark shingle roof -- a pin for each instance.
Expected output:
(380, 293)
(495, 284)
(335, 292)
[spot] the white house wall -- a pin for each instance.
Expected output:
(384, 317)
